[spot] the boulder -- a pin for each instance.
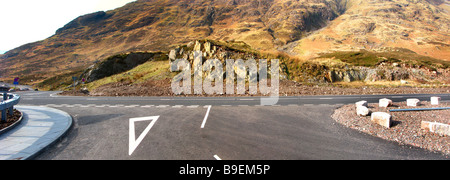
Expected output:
(362, 111)
(361, 103)
(385, 102)
(382, 118)
(412, 102)
(435, 100)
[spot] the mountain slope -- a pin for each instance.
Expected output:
(377, 25)
(299, 27)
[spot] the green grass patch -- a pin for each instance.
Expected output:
(155, 70)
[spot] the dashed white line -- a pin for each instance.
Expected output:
(206, 117)
(217, 157)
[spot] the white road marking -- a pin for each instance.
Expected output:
(326, 98)
(206, 117)
(193, 106)
(133, 142)
(217, 157)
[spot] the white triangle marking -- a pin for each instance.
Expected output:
(133, 142)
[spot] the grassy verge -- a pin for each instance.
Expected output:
(156, 70)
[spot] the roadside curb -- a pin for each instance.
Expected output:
(41, 128)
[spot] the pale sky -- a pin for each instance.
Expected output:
(26, 21)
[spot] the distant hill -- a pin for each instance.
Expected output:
(302, 28)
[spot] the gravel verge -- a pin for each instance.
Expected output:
(287, 88)
(406, 125)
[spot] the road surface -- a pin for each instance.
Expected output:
(232, 128)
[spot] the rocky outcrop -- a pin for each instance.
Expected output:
(120, 63)
(386, 73)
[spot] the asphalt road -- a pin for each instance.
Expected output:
(233, 128)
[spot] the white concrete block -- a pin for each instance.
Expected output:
(412, 102)
(435, 100)
(385, 102)
(362, 111)
(361, 103)
(382, 118)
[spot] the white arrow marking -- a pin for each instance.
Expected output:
(133, 142)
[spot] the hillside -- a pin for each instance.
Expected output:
(422, 27)
(304, 28)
